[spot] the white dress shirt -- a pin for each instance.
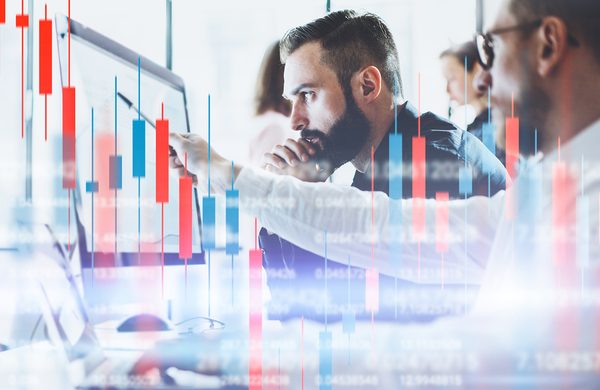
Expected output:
(530, 306)
(301, 212)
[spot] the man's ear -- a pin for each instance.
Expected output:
(551, 45)
(367, 84)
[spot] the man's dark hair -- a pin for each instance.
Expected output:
(467, 49)
(350, 42)
(582, 17)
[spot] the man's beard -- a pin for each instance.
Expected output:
(345, 139)
(531, 106)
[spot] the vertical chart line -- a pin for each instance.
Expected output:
(326, 296)
(139, 177)
(114, 173)
(69, 46)
(466, 103)
(139, 222)
(209, 145)
(466, 288)
(92, 197)
(396, 103)
(162, 249)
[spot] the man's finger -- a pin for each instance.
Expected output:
(271, 159)
(286, 154)
(175, 162)
(298, 149)
(177, 141)
(308, 146)
(273, 169)
(178, 172)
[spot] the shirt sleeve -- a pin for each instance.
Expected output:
(339, 221)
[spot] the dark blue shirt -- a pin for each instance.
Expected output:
(476, 128)
(296, 277)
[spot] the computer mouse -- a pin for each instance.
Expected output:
(144, 323)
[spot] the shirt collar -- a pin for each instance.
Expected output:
(407, 123)
(584, 143)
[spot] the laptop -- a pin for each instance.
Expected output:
(69, 329)
(119, 221)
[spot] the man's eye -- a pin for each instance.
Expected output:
(306, 96)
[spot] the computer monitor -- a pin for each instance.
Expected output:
(127, 221)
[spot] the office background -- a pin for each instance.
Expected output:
(217, 48)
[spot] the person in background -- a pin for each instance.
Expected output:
(271, 110)
(453, 68)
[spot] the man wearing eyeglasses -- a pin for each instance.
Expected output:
(521, 55)
(537, 243)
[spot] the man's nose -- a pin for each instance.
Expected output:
(298, 119)
(482, 80)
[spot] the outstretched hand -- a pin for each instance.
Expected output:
(197, 151)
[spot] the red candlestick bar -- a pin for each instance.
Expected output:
(418, 183)
(442, 226)
(105, 215)
(185, 216)
(162, 161)
(69, 137)
(162, 182)
(46, 65)
(512, 166)
(22, 22)
(2, 11)
(441, 222)
(255, 320)
(372, 290)
(559, 180)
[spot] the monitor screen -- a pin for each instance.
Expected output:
(127, 219)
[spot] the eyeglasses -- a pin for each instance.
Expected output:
(485, 44)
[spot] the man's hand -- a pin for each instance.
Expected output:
(178, 169)
(197, 151)
(295, 158)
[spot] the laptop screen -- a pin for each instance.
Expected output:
(65, 315)
(127, 219)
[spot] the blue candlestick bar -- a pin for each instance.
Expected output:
(232, 222)
(325, 360)
(349, 321)
(530, 194)
(139, 148)
(465, 181)
(115, 179)
(395, 177)
(208, 222)
(489, 140)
